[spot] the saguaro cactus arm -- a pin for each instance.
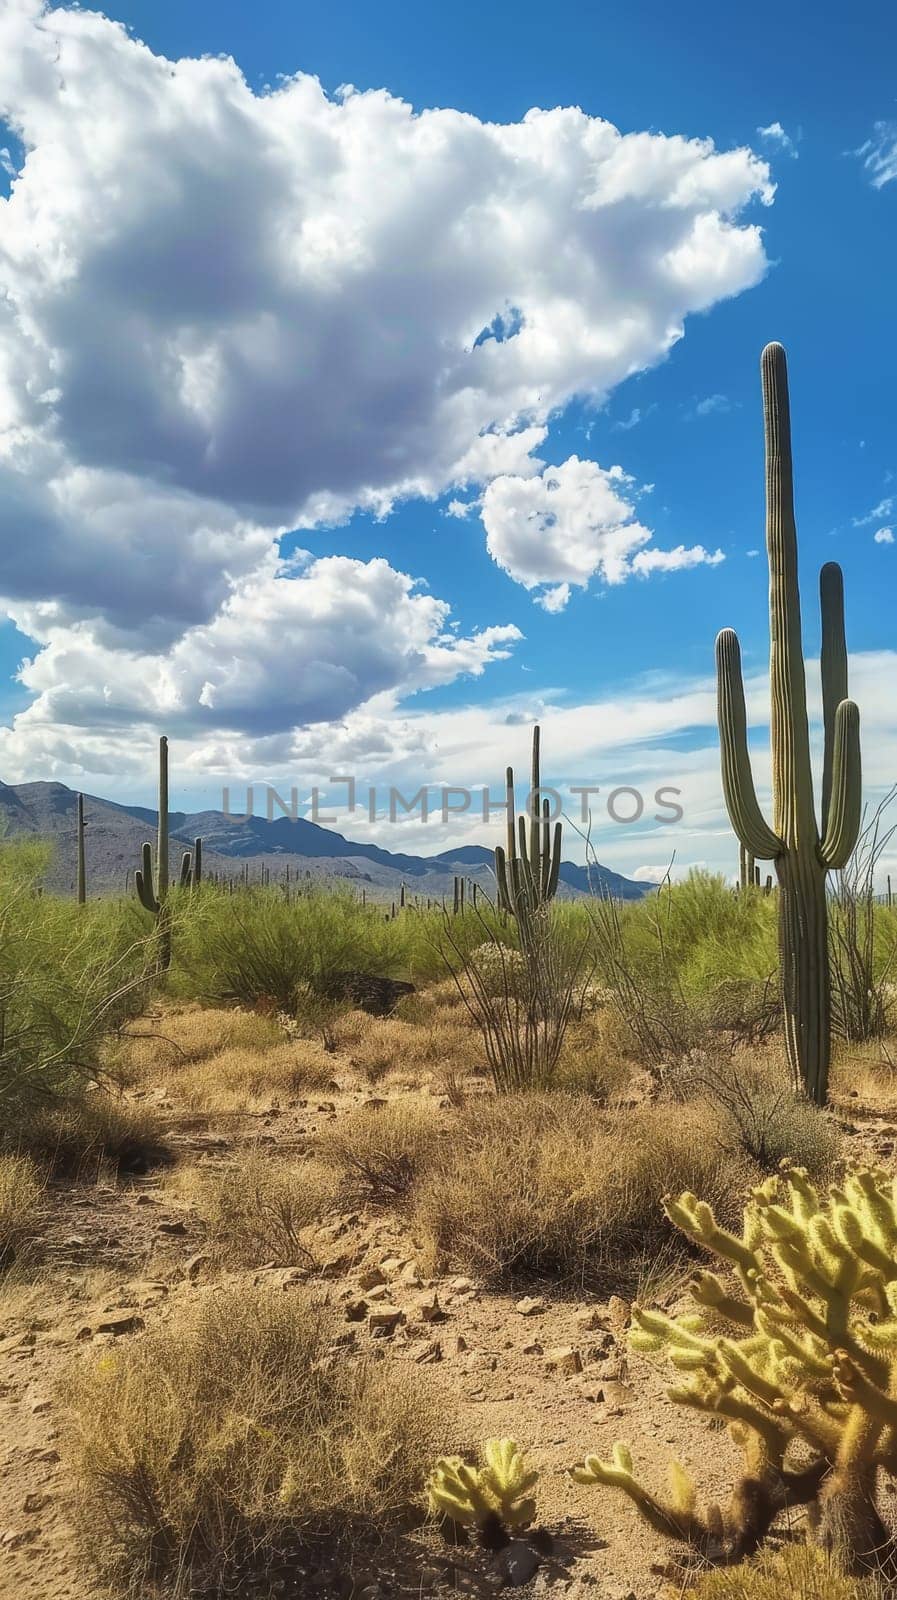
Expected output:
(845, 801)
(144, 881)
(753, 831)
(833, 667)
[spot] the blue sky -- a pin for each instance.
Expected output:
(93, 608)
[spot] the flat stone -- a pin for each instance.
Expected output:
(530, 1306)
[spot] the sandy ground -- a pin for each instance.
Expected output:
(119, 1254)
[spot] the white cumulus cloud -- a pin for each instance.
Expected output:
(565, 525)
(884, 536)
(225, 315)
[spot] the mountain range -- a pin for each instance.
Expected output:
(115, 834)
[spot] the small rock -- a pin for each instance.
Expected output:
(370, 1278)
(35, 1502)
(517, 1563)
(177, 1227)
(431, 1353)
(428, 1307)
(390, 1266)
(123, 1322)
(462, 1286)
(530, 1306)
(587, 1319)
(565, 1359)
(356, 1310)
(195, 1265)
(410, 1274)
(534, 1349)
(460, 1345)
(384, 1320)
(618, 1312)
(40, 1407)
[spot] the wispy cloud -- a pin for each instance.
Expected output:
(636, 415)
(877, 514)
(879, 154)
(775, 135)
(710, 406)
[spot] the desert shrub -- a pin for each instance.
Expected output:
(69, 976)
(688, 962)
(261, 1207)
(231, 1425)
(21, 1193)
(257, 944)
(763, 1117)
(798, 1572)
(521, 1001)
(380, 1152)
(545, 1185)
(79, 1136)
(862, 956)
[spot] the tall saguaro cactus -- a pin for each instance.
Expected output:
(527, 873)
(82, 868)
(153, 895)
(802, 852)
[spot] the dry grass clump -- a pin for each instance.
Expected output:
(236, 1079)
(533, 1185)
(214, 1435)
(21, 1193)
(178, 1036)
(763, 1117)
(261, 1207)
(866, 1074)
(413, 1049)
(79, 1138)
(796, 1572)
(380, 1152)
(590, 1064)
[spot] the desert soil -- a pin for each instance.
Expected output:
(547, 1368)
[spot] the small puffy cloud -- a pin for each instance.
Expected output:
(879, 154)
(751, 554)
(884, 536)
(776, 136)
(568, 524)
(461, 508)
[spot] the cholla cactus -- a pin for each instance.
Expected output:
(492, 1496)
(527, 873)
(798, 1345)
(803, 852)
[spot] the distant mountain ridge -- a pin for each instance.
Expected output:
(115, 834)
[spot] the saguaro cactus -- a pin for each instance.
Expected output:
(153, 895)
(803, 855)
(82, 871)
(527, 873)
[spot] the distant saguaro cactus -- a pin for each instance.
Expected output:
(82, 870)
(527, 873)
(803, 855)
(153, 895)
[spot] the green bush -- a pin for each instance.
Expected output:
(69, 976)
